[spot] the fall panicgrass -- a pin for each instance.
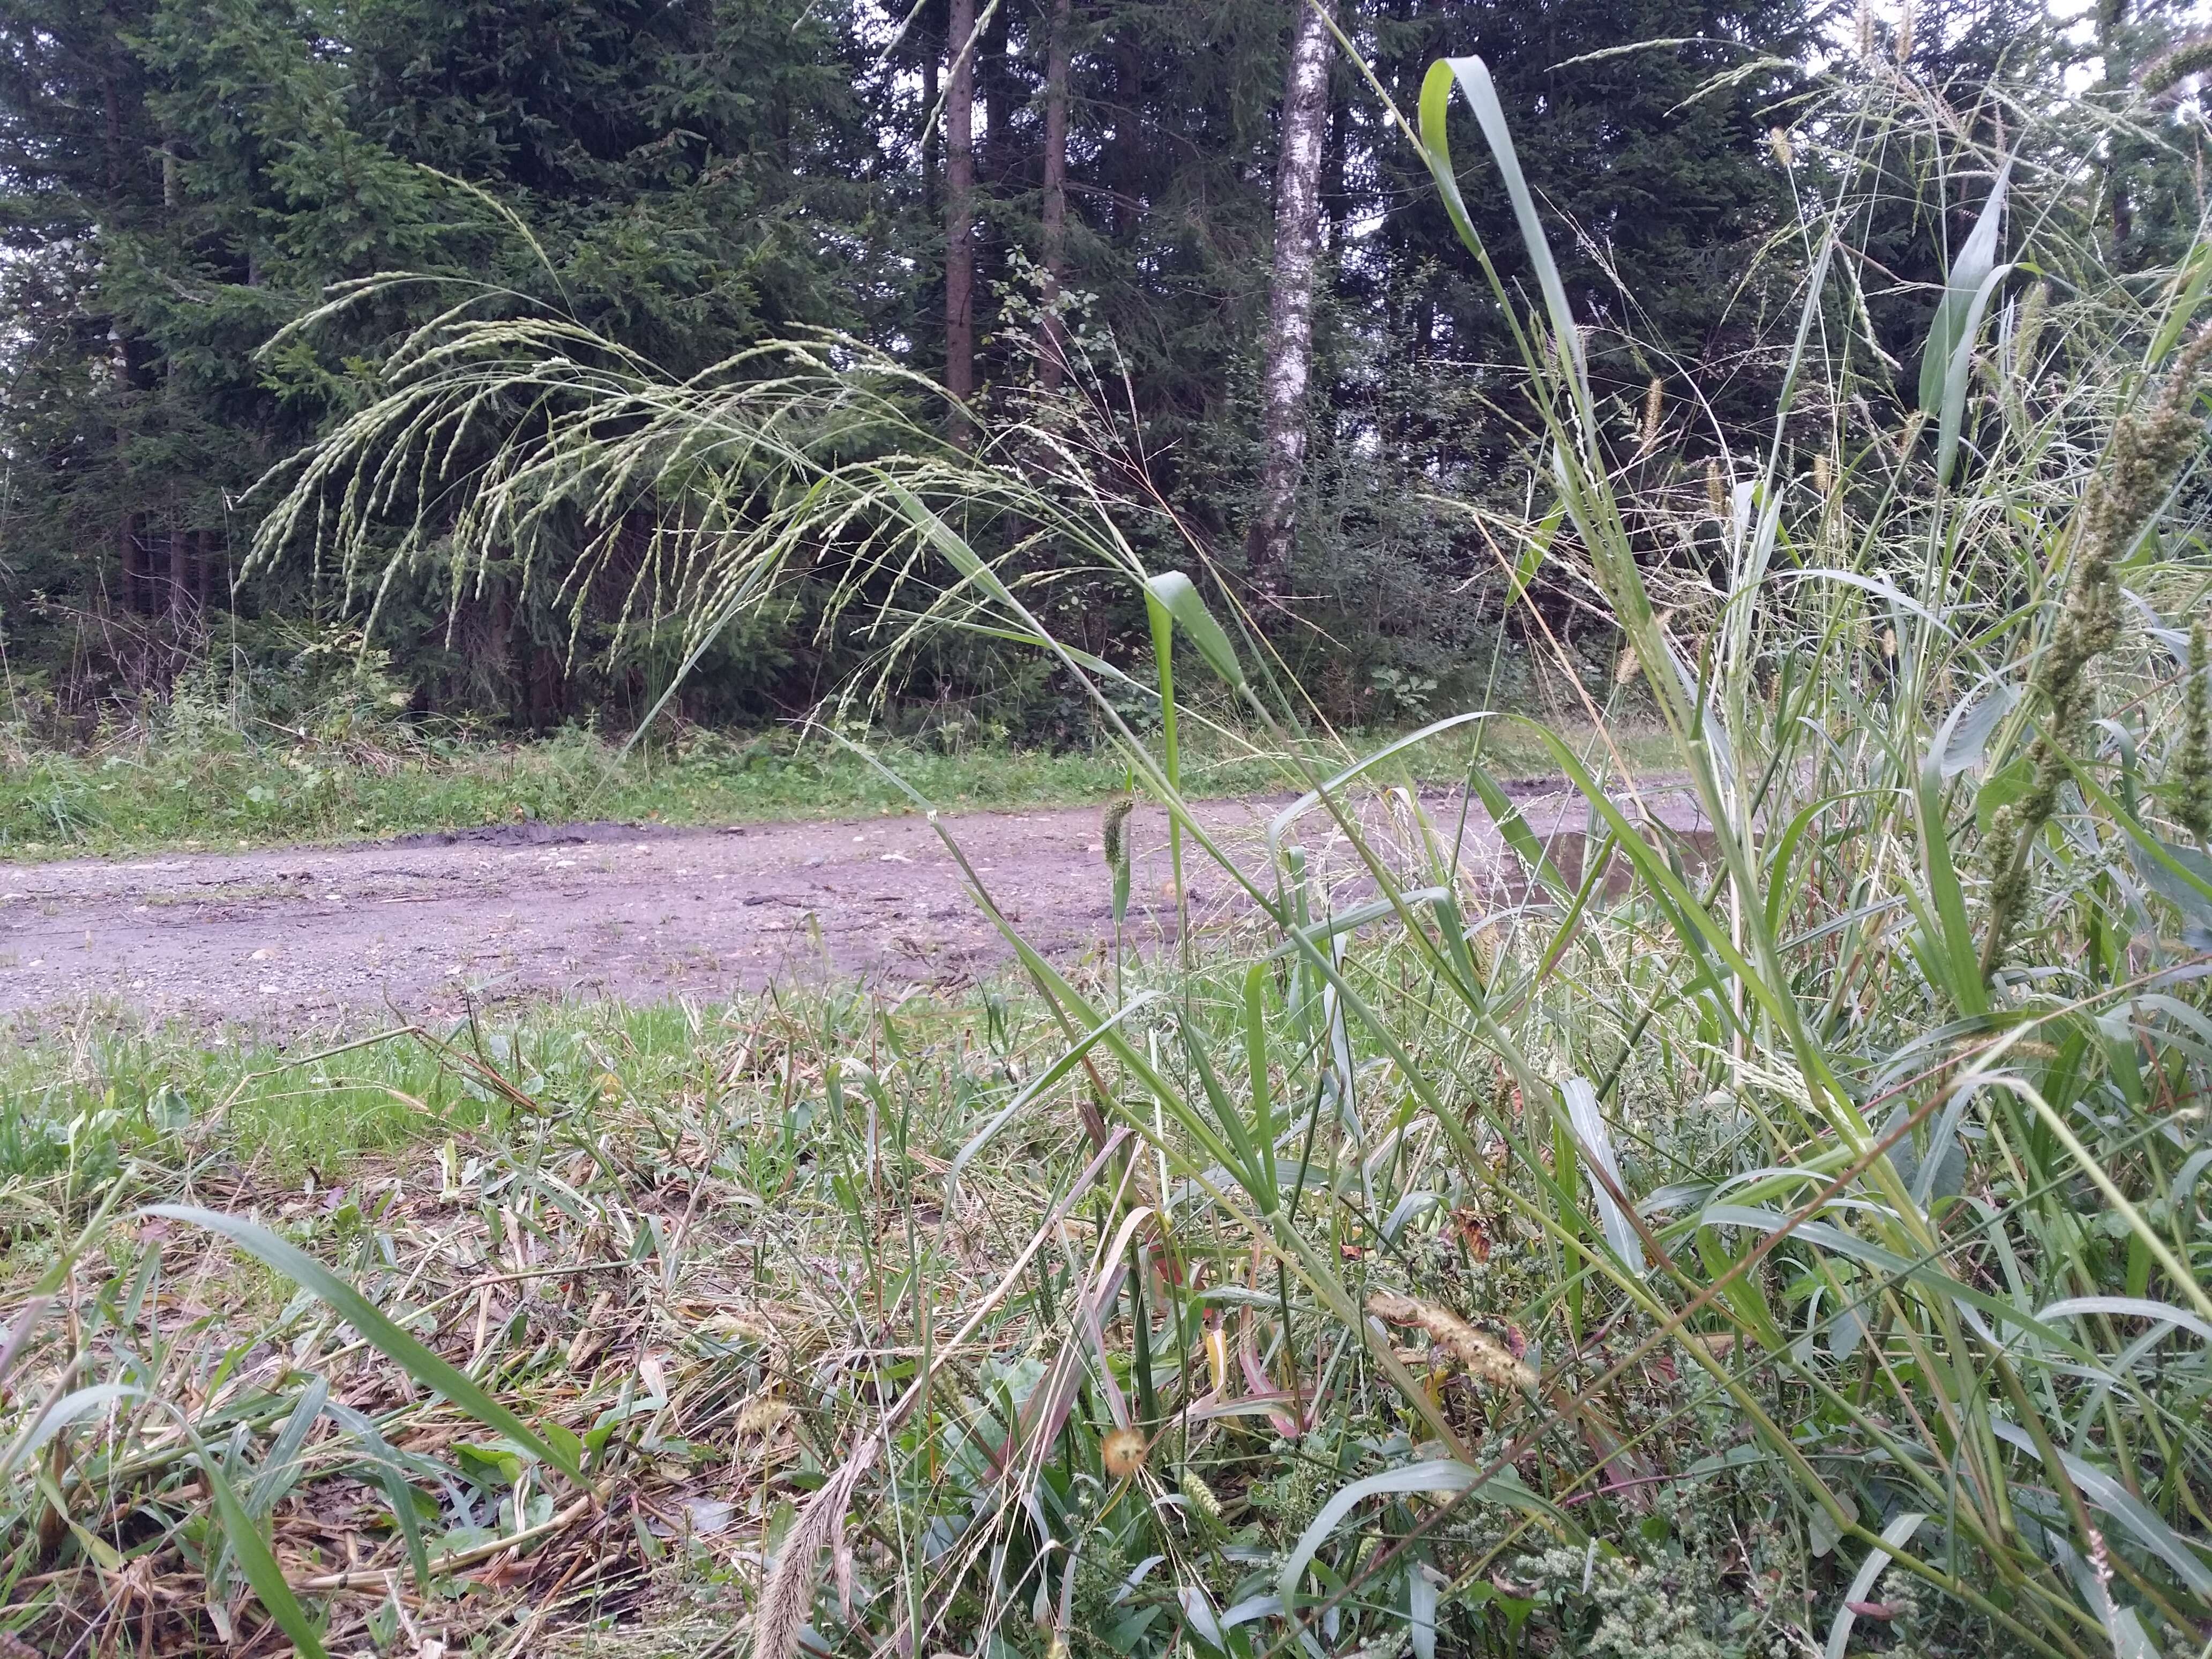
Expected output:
(1803, 1208)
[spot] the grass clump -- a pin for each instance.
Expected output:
(707, 1247)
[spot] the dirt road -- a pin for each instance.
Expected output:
(315, 938)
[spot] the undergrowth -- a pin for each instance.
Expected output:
(706, 1243)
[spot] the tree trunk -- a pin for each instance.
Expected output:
(2111, 16)
(994, 92)
(1055, 189)
(960, 216)
(180, 577)
(1132, 144)
(118, 370)
(995, 161)
(1284, 368)
(1335, 200)
(133, 561)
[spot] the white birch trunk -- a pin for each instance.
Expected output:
(1284, 368)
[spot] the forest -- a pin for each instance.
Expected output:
(188, 186)
(1070, 829)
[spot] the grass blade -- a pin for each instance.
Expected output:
(395, 1344)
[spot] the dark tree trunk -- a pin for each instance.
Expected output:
(118, 371)
(960, 216)
(1055, 188)
(1335, 200)
(180, 576)
(1288, 361)
(548, 688)
(111, 106)
(998, 162)
(2111, 17)
(134, 562)
(995, 90)
(1133, 144)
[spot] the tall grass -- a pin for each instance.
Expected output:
(1778, 1236)
(1912, 1077)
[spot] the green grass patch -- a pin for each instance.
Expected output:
(147, 793)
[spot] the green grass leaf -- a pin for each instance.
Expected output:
(396, 1344)
(254, 1556)
(1180, 595)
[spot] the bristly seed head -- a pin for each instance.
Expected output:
(1114, 833)
(1123, 1452)
(2027, 332)
(1480, 1354)
(2163, 73)
(2192, 807)
(2148, 449)
(1199, 1495)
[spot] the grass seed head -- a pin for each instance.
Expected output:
(1123, 1452)
(1114, 833)
(2028, 333)
(1481, 1356)
(1199, 1495)
(2164, 73)
(762, 1416)
(2193, 806)
(2149, 447)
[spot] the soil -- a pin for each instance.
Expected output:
(309, 939)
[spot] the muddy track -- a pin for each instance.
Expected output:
(319, 939)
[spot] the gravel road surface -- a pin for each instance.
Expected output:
(326, 938)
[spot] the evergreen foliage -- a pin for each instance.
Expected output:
(182, 181)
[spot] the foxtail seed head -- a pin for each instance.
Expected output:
(2193, 806)
(1123, 1452)
(1114, 833)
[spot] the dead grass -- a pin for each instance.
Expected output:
(690, 1263)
